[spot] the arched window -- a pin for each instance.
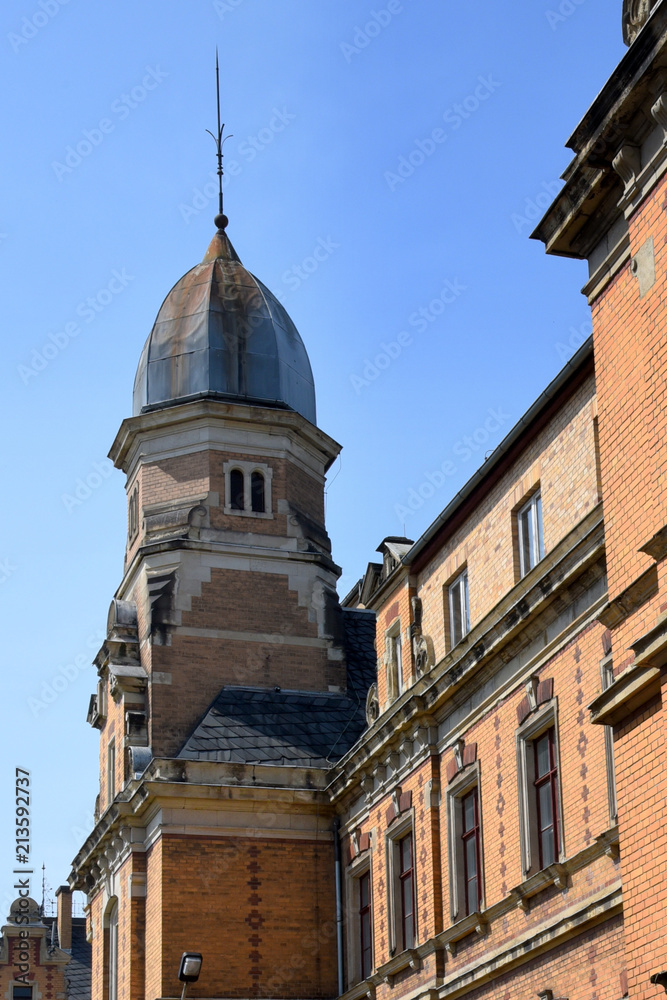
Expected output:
(112, 953)
(236, 489)
(257, 492)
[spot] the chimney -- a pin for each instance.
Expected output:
(64, 897)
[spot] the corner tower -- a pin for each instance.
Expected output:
(230, 680)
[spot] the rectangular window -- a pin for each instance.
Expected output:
(470, 836)
(22, 993)
(459, 616)
(406, 892)
(111, 772)
(531, 542)
(546, 792)
(365, 925)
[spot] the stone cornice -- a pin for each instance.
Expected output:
(611, 172)
(169, 782)
(208, 412)
(413, 716)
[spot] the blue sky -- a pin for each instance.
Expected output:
(412, 143)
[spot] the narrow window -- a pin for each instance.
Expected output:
(406, 891)
(398, 656)
(365, 926)
(111, 772)
(459, 615)
(471, 851)
(531, 543)
(546, 789)
(257, 492)
(113, 953)
(236, 489)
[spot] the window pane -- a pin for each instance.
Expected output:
(398, 647)
(538, 518)
(405, 846)
(236, 490)
(548, 852)
(465, 614)
(468, 812)
(455, 622)
(257, 492)
(542, 756)
(471, 858)
(546, 808)
(473, 897)
(363, 891)
(408, 920)
(524, 541)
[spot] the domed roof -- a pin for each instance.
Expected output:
(221, 333)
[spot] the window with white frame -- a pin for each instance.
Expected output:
(541, 811)
(530, 537)
(248, 489)
(459, 613)
(402, 884)
(464, 818)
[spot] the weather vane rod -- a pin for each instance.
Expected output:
(221, 219)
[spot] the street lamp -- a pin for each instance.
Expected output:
(189, 969)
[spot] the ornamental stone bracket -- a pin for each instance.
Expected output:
(475, 923)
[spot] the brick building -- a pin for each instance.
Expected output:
(474, 807)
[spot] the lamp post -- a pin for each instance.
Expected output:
(189, 969)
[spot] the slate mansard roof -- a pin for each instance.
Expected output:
(298, 728)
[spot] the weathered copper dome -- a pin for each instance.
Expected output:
(221, 333)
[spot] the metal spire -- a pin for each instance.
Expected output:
(221, 219)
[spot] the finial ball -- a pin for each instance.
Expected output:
(221, 221)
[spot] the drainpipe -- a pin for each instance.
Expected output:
(338, 875)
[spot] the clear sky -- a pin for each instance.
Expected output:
(387, 164)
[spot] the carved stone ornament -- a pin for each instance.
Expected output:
(372, 705)
(422, 645)
(635, 16)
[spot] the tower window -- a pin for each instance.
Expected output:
(257, 492)
(248, 489)
(237, 490)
